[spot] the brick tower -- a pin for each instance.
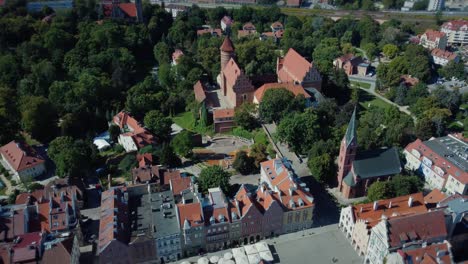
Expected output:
(348, 150)
(227, 51)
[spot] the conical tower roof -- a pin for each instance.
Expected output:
(351, 130)
(227, 45)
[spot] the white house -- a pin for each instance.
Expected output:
(457, 31)
(442, 57)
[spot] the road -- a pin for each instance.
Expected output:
(371, 90)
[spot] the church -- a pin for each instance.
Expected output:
(357, 170)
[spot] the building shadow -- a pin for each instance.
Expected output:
(326, 211)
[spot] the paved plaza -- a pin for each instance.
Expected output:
(316, 245)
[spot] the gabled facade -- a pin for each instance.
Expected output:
(443, 57)
(456, 31)
(191, 220)
(272, 221)
(433, 39)
(236, 86)
(249, 215)
(23, 160)
(217, 224)
(133, 135)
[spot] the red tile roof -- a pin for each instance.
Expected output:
(295, 89)
(265, 198)
(180, 184)
(456, 25)
(438, 161)
(244, 200)
(428, 254)
(20, 155)
(408, 80)
(191, 212)
(277, 25)
(428, 226)
(129, 9)
(398, 206)
(223, 113)
(248, 26)
(227, 45)
(293, 197)
(444, 54)
(434, 197)
(12, 225)
(28, 247)
(139, 134)
(234, 76)
(146, 174)
(275, 170)
(433, 35)
(110, 228)
(243, 33)
(59, 253)
(168, 175)
(144, 160)
(293, 67)
(199, 91)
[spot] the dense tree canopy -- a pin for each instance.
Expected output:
(213, 176)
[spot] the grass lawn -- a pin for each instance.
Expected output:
(186, 121)
(361, 84)
(29, 140)
(366, 100)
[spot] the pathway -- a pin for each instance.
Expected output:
(371, 90)
(9, 187)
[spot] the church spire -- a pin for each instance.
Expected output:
(351, 130)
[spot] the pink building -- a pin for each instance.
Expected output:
(250, 216)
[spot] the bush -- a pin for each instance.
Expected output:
(118, 148)
(127, 163)
(243, 163)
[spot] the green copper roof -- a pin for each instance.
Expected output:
(349, 180)
(376, 163)
(351, 130)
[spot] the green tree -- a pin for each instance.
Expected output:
(182, 144)
(258, 152)
(390, 50)
(243, 163)
(71, 158)
(114, 132)
(300, 130)
(322, 168)
(144, 97)
(9, 115)
(213, 176)
(38, 117)
(158, 124)
(324, 54)
(127, 163)
(167, 156)
(371, 50)
(424, 129)
(245, 116)
(379, 190)
(406, 184)
(276, 103)
(453, 69)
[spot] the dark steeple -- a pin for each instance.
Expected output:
(351, 130)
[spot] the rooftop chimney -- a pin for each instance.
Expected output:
(410, 201)
(376, 205)
(390, 204)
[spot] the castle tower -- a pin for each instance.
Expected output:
(227, 51)
(348, 150)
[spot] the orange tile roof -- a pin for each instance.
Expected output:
(433, 35)
(248, 26)
(144, 160)
(293, 67)
(293, 197)
(244, 33)
(20, 155)
(140, 135)
(129, 9)
(204, 31)
(277, 24)
(168, 175)
(456, 25)
(244, 200)
(427, 226)
(223, 113)
(409, 80)
(275, 170)
(264, 198)
(399, 207)
(146, 174)
(180, 184)
(112, 204)
(427, 254)
(199, 91)
(434, 197)
(445, 54)
(227, 45)
(295, 89)
(191, 212)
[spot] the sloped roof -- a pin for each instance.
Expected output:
(456, 25)
(144, 160)
(445, 54)
(204, 31)
(59, 253)
(434, 197)
(276, 171)
(191, 213)
(129, 9)
(433, 35)
(375, 163)
(394, 207)
(248, 26)
(223, 113)
(277, 24)
(20, 155)
(428, 254)
(227, 45)
(295, 89)
(351, 129)
(293, 196)
(293, 67)
(425, 226)
(180, 184)
(146, 173)
(244, 200)
(199, 91)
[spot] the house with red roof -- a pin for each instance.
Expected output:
(293, 68)
(442, 162)
(27, 248)
(433, 254)
(270, 207)
(214, 32)
(391, 235)
(276, 26)
(190, 215)
(133, 135)
(249, 215)
(356, 221)
(248, 29)
(64, 251)
(443, 57)
(456, 31)
(223, 120)
(351, 64)
(432, 39)
(14, 221)
(176, 56)
(22, 160)
(119, 10)
(146, 174)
